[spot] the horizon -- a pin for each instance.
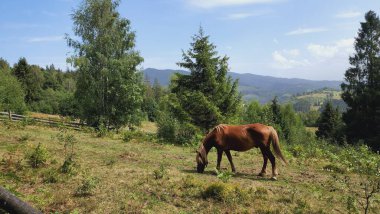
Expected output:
(263, 75)
(277, 38)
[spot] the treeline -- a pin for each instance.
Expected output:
(107, 90)
(33, 88)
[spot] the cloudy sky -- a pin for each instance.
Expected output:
(308, 39)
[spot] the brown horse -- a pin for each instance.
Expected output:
(240, 138)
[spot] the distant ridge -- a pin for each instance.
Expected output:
(253, 86)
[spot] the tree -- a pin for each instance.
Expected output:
(207, 96)
(158, 91)
(109, 86)
(361, 89)
(31, 79)
(276, 110)
(11, 94)
(4, 65)
(329, 124)
(149, 106)
(253, 113)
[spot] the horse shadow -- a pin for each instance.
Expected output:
(241, 175)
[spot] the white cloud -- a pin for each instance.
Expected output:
(348, 14)
(322, 50)
(285, 59)
(46, 39)
(292, 52)
(220, 3)
(343, 46)
(305, 31)
(236, 16)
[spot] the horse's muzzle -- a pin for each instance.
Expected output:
(200, 168)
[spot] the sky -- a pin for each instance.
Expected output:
(309, 39)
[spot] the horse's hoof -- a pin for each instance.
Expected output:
(274, 178)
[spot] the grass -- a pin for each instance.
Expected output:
(139, 176)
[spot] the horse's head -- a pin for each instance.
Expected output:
(201, 159)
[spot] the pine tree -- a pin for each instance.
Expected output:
(207, 96)
(361, 90)
(109, 86)
(276, 110)
(329, 124)
(31, 78)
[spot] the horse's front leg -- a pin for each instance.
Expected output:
(228, 153)
(220, 153)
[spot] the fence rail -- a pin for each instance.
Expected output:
(54, 122)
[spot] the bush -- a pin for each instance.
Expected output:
(224, 176)
(226, 193)
(88, 187)
(137, 135)
(38, 156)
(102, 130)
(69, 165)
(51, 176)
(173, 131)
(159, 173)
(167, 127)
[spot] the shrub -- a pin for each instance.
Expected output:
(69, 165)
(102, 130)
(137, 135)
(173, 131)
(226, 193)
(224, 176)
(186, 134)
(51, 176)
(27, 121)
(68, 141)
(167, 127)
(159, 173)
(88, 187)
(38, 156)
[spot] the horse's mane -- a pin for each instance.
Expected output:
(219, 128)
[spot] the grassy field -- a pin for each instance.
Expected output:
(144, 176)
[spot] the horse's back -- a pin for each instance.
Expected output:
(243, 137)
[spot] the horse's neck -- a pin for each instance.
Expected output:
(208, 144)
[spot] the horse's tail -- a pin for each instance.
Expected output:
(276, 144)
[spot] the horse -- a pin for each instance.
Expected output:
(240, 138)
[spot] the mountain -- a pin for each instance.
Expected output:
(252, 86)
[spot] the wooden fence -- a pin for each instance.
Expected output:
(49, 121)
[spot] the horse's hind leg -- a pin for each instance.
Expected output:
(273, 162)
(220, 153)
(265, 157)
(228, 153)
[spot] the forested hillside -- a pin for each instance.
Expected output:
(252, 86)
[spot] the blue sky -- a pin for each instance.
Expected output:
(284, 38)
